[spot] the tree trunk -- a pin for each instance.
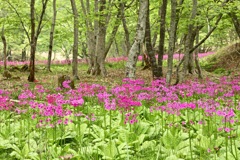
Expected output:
(4, 48)
(99, 66)
(31, 77)
(188, 65)
(51, 36)
(162, 35)
(127, 39)
(199, 71)
(172, 38)
(140, 34)
(34, 36)
(151, 54)
(236, 22)
(24, 54)
(9, 54)
(75, 45)
(116, 48)
(91, 46)
(91, 32)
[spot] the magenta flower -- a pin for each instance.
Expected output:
(227, 129)
(77, 102)
(66, 84)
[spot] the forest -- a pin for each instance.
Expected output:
(119, 79)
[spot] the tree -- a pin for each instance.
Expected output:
(4, 48)
(75, 45)
(103, 46)
(51, 36)
(139, 38)
(34, 36)
(189, 48)
(91, 31)
(99, 66)
(233, 13)
(162, 36)
(31, 77)
(156, 73)
(123, 7)
(172, 39)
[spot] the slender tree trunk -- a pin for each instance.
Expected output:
(51, 36)
(172, 39)
(91, 32)
(75, 45)
(113, 33)
(31, 77)
(162, 35)
(199, 71)
(99, 66)
(127, 39)
(116, 48)
(151, 54)
(91, 46)
(4, 48)
(135, 49)
(236, 22)
(34, 36)
(24, 54)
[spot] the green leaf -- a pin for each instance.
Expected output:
(173, 157)
(98, 132)
(142, 128)
(110, 149)
(25, 150)
(148, 145)
(170, 141)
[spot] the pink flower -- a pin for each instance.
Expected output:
(208, 150)
(227, 129)
(34, 116)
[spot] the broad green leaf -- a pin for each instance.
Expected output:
(110, 149)
(25, 150)
(148, 145)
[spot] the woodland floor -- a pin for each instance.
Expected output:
(226, 62)
(115, 76)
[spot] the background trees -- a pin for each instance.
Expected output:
(99, 24)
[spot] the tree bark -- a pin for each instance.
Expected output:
(24, 54)
(99, 67)
(51, 36)
(75, 45)
(4, 49)
(126, 32)
(188, 65)
(199, 70)
(162, 35)
(139, 38)
(156, 74)
(172, 38)
(34, 36)
(31, 77)
(102, 47)
(236, 23)
(91, 32)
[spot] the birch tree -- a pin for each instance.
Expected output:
(139, 38)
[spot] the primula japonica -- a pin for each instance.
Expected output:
(209, 98)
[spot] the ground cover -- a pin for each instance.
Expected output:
(111, 118)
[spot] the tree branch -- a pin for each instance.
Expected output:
(21, 21)
(39, 27)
